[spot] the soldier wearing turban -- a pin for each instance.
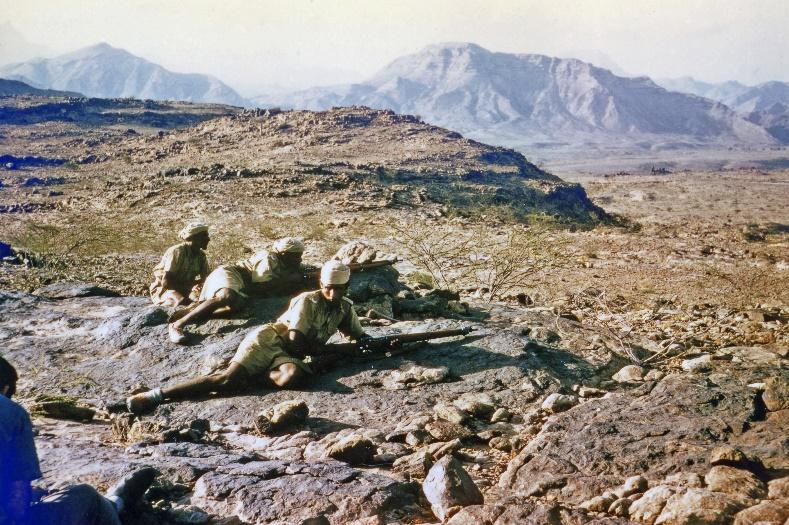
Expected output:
(178, 277)
(267, 272)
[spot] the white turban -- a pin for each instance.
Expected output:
(288, 245)
(193, 228)
(335, 272)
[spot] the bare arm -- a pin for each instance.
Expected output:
(170, 282)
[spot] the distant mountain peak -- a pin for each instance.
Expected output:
(104, 71)
(531, 98)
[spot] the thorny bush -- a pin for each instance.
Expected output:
(475, 257)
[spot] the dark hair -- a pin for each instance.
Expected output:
(8, 376)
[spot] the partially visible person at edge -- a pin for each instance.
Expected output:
(179, 276)
(268, 272)
(73, 505)
(272, 353)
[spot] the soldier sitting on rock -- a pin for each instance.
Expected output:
(271, 354)
(180, 274)
(274, 272)
(73, 505)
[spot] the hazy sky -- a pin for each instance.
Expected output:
(254, 43)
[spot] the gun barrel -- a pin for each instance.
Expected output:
(354, 267)
(425, 336)
(378, 342)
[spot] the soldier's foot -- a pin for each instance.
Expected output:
(176, 334)
(145, 402)
(128, 492)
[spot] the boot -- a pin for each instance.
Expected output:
(144, 402)
(176, 335)
(128, 492)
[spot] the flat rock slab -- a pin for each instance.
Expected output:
(677, 423)
(68, 290)
(266, 492)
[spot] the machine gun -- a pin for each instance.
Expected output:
(314, 275)
(333, 352)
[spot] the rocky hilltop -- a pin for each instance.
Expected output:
(109, 72)
(528, 99)
(635, 373)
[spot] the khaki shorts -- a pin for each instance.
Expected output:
(223, 277)
(161, 297)
(263, 350)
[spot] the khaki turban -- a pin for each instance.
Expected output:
(193, 228)
(335, 272)
(288, 245)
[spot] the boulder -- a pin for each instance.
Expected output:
(479, 405)
(414, 465)
(587, 392)
(450, 413)
(448, 488)
(632, 485)
(501, 415)
(683, 480)
(286, 415)
(778, 489)
(772, 512)
(556, 402)
(620, 507)
(731, 456)
(698, 364)
(415, 376)
(354, 449)
(735, 482)
(599, 503)
(629, 374)
(648, 507)
(442, 430)
(776, 393)
(698, 507)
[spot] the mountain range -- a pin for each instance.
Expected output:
(502, 98)
(520, 99)
(104, 71)
(766, 104)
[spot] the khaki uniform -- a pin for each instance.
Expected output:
(263, 349)
(187, 267)
(263, 267)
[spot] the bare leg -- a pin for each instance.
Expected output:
(223, 298)
(287, 374)
(197, 388)
(204, 385)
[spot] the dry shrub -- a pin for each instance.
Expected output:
(495, 263)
